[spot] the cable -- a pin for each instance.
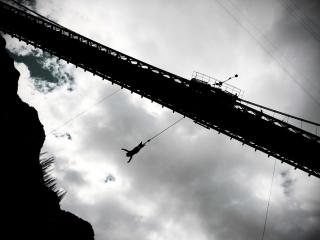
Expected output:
(39, 15)
(304, 20)
(281, 113)
(268, 42)
(84, 111)
(150, 139)
(268, 52)
(267, 211)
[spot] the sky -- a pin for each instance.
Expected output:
(189, 183)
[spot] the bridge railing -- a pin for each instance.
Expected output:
(236, 120)
(298, 123)
(218, 84)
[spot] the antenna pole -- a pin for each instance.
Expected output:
(235, 76)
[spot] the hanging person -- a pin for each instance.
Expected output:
(131, 153)
(135, 150)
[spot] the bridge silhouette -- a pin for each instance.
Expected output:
(212, 106)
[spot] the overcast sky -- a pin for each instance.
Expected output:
(190, 183)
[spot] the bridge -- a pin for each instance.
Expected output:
(210, 105)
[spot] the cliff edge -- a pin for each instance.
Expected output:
(31, 205)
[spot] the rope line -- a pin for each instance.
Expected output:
(84, 111)
(267, 211)
(278, 112)
(305, 21)
(269, 52)
(150, 139)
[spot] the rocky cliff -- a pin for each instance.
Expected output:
(31, 208)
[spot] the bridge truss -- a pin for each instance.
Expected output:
(212, 107)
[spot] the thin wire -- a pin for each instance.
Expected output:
(272, 45)
(278, 112)
(165, 129)
(292, 77)
(267, 212)
(39, 15)
(301, 18)
(84, 111)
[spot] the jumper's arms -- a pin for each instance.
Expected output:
(210, 107)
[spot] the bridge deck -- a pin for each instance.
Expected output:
(211, 107)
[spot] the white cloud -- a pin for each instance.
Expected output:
(190, 182)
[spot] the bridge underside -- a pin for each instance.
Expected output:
(211, 108)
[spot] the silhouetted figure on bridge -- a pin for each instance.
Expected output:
(131, 153)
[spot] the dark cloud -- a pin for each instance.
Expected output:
(136, 125)
(63, 135)
(112, 220)
(73, 177)
(294, 221)
(47, 72)
(27, 3)
(189, 180)
(36, 70)
(295, 37)
(110, 178)
(287, 183)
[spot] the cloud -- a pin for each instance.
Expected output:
(295, 36)
(47, 72)
(63, 135)
(287, 183)
(190, 182)
(110, 178)
(73, 177)
(28, 3)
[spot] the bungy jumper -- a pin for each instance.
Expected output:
(135, 150)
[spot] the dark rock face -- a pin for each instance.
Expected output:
(31, 208)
